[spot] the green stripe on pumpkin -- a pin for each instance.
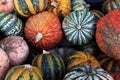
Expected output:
(24, 7)
(3, 15)
(35, 5)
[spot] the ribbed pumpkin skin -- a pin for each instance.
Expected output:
(108, 64)
(10, 24)
(45, 26)
(115, 75)
(27, 8)
(59, 7)
(79, 27)
(80, 59)
(107, 34)
(78, 5)
(51, 65)
(97, 14)
(24, 72)
(87, 73)
(16, 48)
(109, 5)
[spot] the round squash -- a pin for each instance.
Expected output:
(80, 59)
(59, 7)
(27, 8)
(115, 75)
(79, 5)
(43, 30)
(6, 6)
(108, 63)
(4, 63)
(10, 24)
(24, 72)
(110, 5)
(79, 27)
(107, 34)
(16, 49)
(51, 65)
(87, 73)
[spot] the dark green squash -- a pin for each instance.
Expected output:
(79, 27)
(10, 24)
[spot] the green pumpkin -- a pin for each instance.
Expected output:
(78, 5)
(109, 5)
(10, 24)
(27, 8)
(24, 72)
(87, 73)
(79, 27)
(51, 65)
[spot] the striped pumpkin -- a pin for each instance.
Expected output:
(10, 24)
(59, 7)
(78, 5)
(109, 5)
(24, 72)
(108, 63)
(115, 75)
(97, 14)
(79, 27)
(27, 8)
(81, 58)
(51, 65)
(87, 73)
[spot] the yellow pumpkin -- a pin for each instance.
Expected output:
(59, 7)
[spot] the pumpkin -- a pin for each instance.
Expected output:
(108, 63)
(27, 8)
(110, 5)
(4, 63)
(107, 34)
(97, 14)
(87, 73)
(81, 58)
(51, 65)
(10, 24)
(115, 75)
(24, 72)
(79, 5)
(16, 49)
(59, 7)
(6, 6)
(79, 27)
(43, 30)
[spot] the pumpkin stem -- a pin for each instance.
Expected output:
(28, 67)
(38, 37)
(3, 1)
(54, 4)
(78, 26)
(87, 5)
(45, 52)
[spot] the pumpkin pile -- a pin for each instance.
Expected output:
(59, 40)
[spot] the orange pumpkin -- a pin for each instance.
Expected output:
(6, 5)
(43, 30)
(59, 7)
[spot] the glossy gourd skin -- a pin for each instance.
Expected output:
(6, 6)
(16, 48)
(108, 63)
(110, 5)
(24, 72)
(107, 34)
(27, 8)
(10, 24)
(80, 59)
(59, 7)
(115, 75)
(79, 27)
(51, 65)
(43, 31)
(87, 73)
